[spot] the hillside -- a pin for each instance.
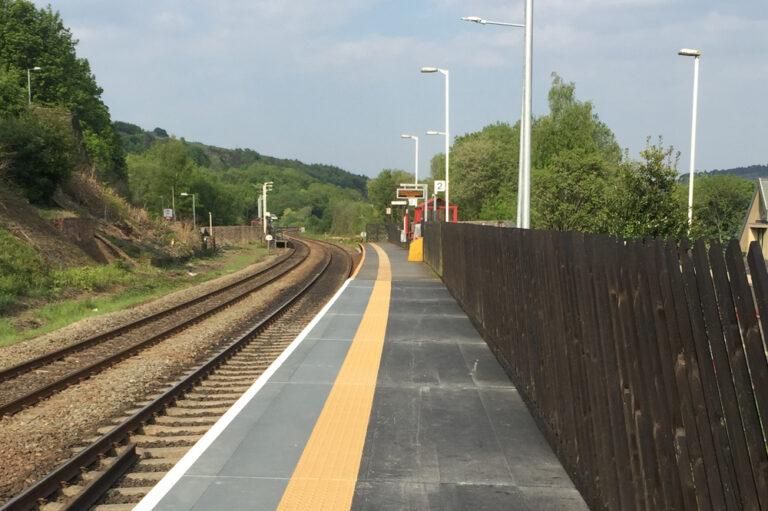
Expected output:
(135, 140)
(751, 173)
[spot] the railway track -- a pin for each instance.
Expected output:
(24, 384)
(118, 468)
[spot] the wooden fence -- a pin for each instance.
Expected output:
(643, 362)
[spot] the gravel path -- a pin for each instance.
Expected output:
(34, 441)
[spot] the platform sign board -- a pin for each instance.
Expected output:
(412, 191)
(409, 193)
(440, 186)
(399, 202)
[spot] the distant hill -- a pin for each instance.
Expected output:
(136, 140)
(750, 173)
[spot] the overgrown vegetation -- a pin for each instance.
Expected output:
(37, 40)
(87, 291)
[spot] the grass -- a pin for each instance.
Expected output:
(104, 289)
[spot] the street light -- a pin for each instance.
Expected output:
(194, 215)
(446, 133)
(686, 52)
(524, 165)
(29, 81)
(416, 158)
(264, 189)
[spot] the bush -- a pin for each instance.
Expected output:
(38, 151)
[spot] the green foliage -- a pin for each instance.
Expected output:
(484, 168)
(720, 203)
(349, 216)
(570, 125)
(12, 99)
(91, 278)
(38, 151)
(22, 271)
(37, 37)
(647, 198)
(571, 193)
(383, 189)
(230, 195)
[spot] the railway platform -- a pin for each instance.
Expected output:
(388, 400)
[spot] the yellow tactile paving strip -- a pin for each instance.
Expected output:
(360, 264)
(326, 474)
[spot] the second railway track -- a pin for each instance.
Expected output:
(158, 445)
(24, 384)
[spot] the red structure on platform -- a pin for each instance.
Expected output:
(426, 211)
(430, 213)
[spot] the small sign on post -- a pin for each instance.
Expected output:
(167, 214)
(440, 186)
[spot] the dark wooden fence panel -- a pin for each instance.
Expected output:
(644, 363)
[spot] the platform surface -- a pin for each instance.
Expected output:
(389, 400)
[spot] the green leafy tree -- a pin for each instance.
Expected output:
(38, 151)
(647, 198)
(37, 37)
(720, 205)
(349, 216)
(570, 125)
(572, 193)
(484, 168)
(12, 100)
(382, 190)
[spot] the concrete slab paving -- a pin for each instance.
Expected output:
(447, 429)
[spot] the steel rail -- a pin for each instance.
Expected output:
(80, 374)
(24, 367)
(71, 470)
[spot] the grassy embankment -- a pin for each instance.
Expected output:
(36, 298)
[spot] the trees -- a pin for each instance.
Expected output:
(720, 203)
(33, 37)
(382, 190)
(484, 168)
(38, 151)
(647, 197)
(572, 193)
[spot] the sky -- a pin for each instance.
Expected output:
(338, 82)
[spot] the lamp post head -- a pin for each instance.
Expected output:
(435, 133)
(687, 52)
(475, 19)
(429, 70)
(36, 68)
(184, 194)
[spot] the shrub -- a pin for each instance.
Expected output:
(38, 150)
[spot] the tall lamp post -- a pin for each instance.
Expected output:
(416, 158)
(686, 52)
(264, 189)
(29, 82)
(524, 165)
(447, 135)
(194, 214)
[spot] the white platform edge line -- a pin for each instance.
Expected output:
(165, 484)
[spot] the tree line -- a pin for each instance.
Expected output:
(227, 182)
(581, 180)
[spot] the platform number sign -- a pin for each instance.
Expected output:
(440, 186)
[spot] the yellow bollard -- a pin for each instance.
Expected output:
(416, 251)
